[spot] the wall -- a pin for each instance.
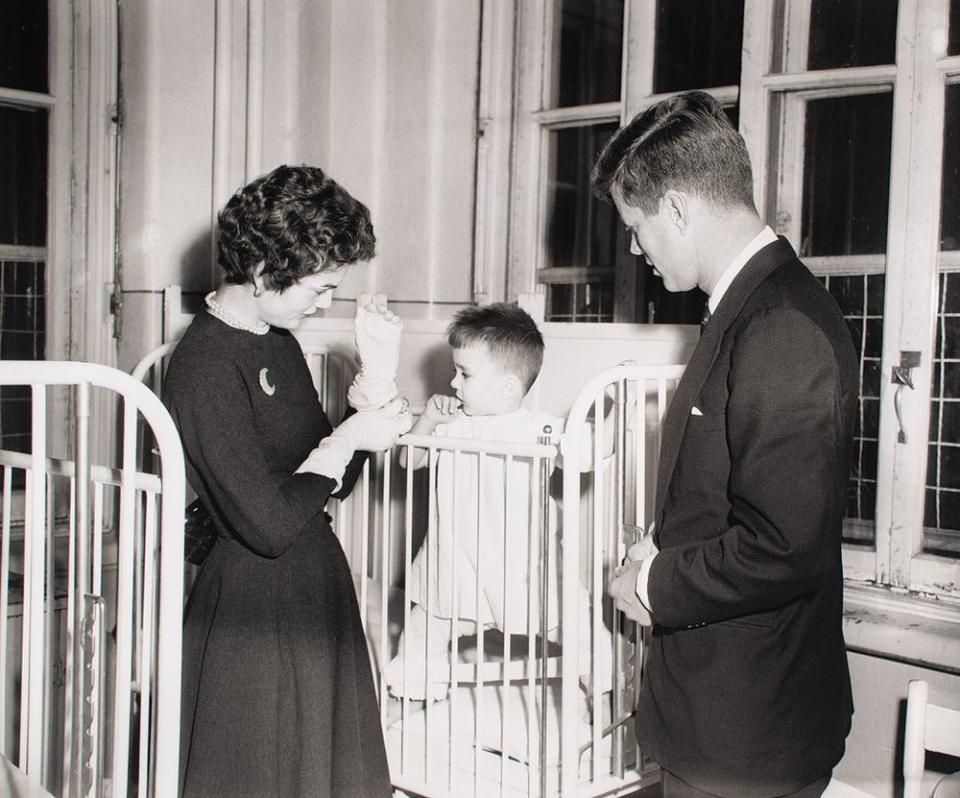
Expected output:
(873, 760)
(382, 95)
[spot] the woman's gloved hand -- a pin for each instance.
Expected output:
(377, 331)
(368, 431)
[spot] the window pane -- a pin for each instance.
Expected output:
(698, 44)
(23, 176)
(941, 518)
(860, 298)
(23, 44)
(584, 302)
(846, 178)
(953, 44)
(591, 52)
(22, 320)
(670, 307)
(846, 33)
(950, 196)
(581, 230)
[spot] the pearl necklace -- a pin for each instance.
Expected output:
(219, 312)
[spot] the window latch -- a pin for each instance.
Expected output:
(902, 377)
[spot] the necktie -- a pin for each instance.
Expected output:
(705, 318)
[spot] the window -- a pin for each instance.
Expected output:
(854, 144)
(597, 64)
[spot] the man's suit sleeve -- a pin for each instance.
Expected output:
(784, 434)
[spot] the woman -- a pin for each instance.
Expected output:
(278, 697)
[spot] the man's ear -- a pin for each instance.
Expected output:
(676, 205)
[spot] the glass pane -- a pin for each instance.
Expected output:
(584, 302)
(22, 322)
(846, 33)
(698, 44)
(941, 517)
(23, 176)
(860, 298)
(950, 189)
(953, 43)
(23, 44)
(591, 52)
(670, 307)
(580, 229)
(846, 178)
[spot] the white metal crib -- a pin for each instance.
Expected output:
(535, 722)
(94, 545)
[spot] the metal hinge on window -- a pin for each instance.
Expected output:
(116, 308)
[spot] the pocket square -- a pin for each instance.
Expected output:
(696, 411)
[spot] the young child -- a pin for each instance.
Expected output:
(497, 354)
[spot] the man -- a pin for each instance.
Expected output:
(746, 689)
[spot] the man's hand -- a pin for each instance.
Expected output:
(623, 590)
(643, 548)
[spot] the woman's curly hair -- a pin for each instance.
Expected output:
(296, 221)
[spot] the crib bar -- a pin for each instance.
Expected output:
(569, 756)
(385, 550)
(364, 541)
(49, 634)
(32, 675)
(598, 528)
(125, 578)
(617, 541)
(431, 621)
(146, 658)
(4, 597)
(545, 554)
(534, 545)
(407, 562)
(454, 627)
(478, 717)
(97, 586)
(504, 716)
(68, 701)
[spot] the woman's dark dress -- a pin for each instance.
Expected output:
(278, 697)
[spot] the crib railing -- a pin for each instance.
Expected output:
(98, 710)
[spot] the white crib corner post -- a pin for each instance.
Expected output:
(535, 303)
(570, 632)
(172, 296)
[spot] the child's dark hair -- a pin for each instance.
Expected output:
(509, 333)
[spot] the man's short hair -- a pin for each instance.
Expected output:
(509, 333)
(684, 143)
(295, 221)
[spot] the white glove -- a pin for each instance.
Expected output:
(369, 431)
(377, 331)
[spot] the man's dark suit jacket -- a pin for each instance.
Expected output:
(747, 691)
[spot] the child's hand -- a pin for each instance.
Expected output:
(441, 409)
